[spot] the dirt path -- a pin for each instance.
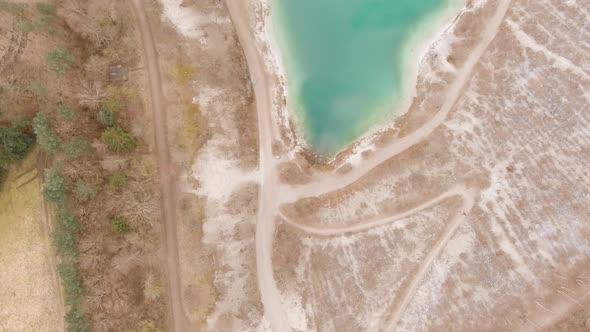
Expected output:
(409, 291)
(269, 187)
(462, 191)
(178, 320)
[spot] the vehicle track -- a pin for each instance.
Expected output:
(410, 290)
(269, 184)
(461, 190)
(178, 318)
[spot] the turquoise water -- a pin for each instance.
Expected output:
(343, 60)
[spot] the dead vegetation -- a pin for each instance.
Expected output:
(63, 72)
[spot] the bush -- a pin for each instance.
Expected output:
(60, 60)
(65, 236)
(118, 139)
(46, 136)
(85, 191)
(66, 112)
(14, 145)
(45, 8)
(12, 8)
(110, 109)
(118, 180)
(76, 147)
(37, 89)
(114, 104)
(120, 225)
(70, 277)
(54, 186)
(25, 26)
(107, 118)
(76, 320)
(65, 239)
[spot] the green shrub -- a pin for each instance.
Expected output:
(120, 225)
(46, 136)
(65, 236)
(66, 112)
(76, 320)
(118, 139)
(118, 180)
(12, 8)
(114, 104)
(110, 109)
(107, 118)
(46, 16)
(37, 89)
(65, 239)
(54, 186)
(42, 23)
(71, 282)
(76, 147)
(14, 145)
(85, 191)
(60, 60)
(45, 8)
(25, 26)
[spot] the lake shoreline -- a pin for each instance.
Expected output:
(427, 34)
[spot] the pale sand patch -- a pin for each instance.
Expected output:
(188, 22)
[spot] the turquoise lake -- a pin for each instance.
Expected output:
(343, 60)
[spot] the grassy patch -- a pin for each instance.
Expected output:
(16, 203)
(26, 282)
(184, 74)
(194, 131)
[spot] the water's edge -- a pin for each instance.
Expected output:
(425, 33)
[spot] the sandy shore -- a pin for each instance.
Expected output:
(434, 33)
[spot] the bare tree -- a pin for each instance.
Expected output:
(139, 208)
(97, 66)
(92, 94)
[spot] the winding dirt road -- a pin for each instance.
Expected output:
(273, 193)
(178, 320)
(466, 194)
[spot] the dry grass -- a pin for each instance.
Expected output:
(194, 131)
(29, 290)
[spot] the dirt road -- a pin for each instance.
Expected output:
(269, 187)
(178, 320)
(272, 193)
(461, 190)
